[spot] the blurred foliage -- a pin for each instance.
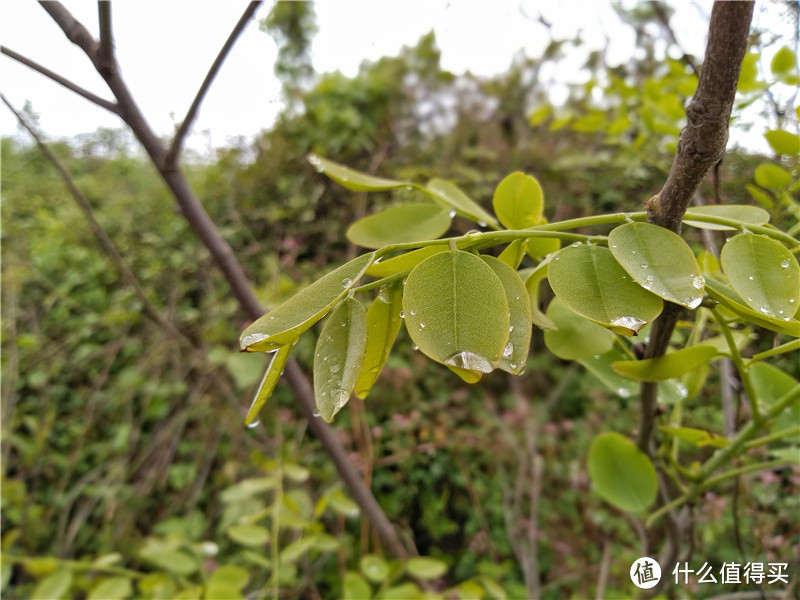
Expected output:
(125, 462)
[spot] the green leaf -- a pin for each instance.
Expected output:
(771, 176)
(174, 561)
(400, 224)
(284, 324)
(621, 474)
(764, 273)
(760, 196)
(783, 142)
(539, 115)
(338, 357)
(383, 324)
(448, 194)
(456, 311)
(343, 505)
(404, 591)
(352, 179)
(515, 354)
(600, 367)
(542, 246)
(667, 366)
(425, 567)
(783, 62)
(113, 588)
(403, 262)
(247, 488)
(295, 472)
(732, 302)
(740, 338)
(696, 437)
(518, 201)
(513, 254)
(53, 587)
(771, 384)
(294, 551)
(660, 261)
(355, 587)
(743, 213)
(493, 588)
(532, 284)
(248, 535)
(575, 337)
(591, 283)
(194, 592)
(227, 579)
(269, 381)
(374, 568)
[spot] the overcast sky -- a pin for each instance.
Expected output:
(165, 49)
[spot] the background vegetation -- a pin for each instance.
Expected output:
(127, 470)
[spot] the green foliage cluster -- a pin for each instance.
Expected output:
(127, 471)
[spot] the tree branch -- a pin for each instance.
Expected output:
(105, 52)
(701, 145)
(228, 264)
(177, 142)
(73, 87)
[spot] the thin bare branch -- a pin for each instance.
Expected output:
(105, 52)
(177, 142)
(73, 87)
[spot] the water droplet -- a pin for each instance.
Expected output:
(482, 223)
(473, 232)
(452, 214)
(340, 398)
(344, 324)
(628, 218)
(575, 244)
(513, 366)
(628, 323)
(402, 315)
(624, 392)
(316, 413)
(254, 424)
(745, 230)
(415, 347)
(510, 329)
(597, 357)
(749, 299)
(557, 257)
(698, 282)
(335, 368)
(645, 265)
(791, 300)
(613, 245)
(470, 361)
(413, 313)
(692, 302)
(785, 263)
(509, 349)
(767, 311)
(346, 283)
(780, 312)
(422, 325)
(751, 278)
(409, 188)
(316, 162)
(633, 251)
(251, 339)
(681, 389)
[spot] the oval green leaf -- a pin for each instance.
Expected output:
(600, 366)
(425, 567)
(513, 254)
(771, 176)
(374, 568)
(621, 474)
(783, 62)
(518, 201)
(355, 587)
(400, 224)
(248, 535)
(760, 196)
(590, 282)
(783, 142)
(268, 382)
(660, 261)
(741, 213)
(515, 354)
(456, 311)
(383, 324)
(448, 194)
(53, 587)
(730, 300)
(667, 366)
(574, 337)
(764, 273)
(696, 437)
(284, 324)
(338, 357)
(352, 179)
(403, 262)
(113, 588)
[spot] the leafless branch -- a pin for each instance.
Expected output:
(177, 142)
(105, 52)
(110, 106)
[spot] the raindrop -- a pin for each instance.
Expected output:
(510, 329)
(470, 361)
(422, 326)
(452, 213)
(335, 368)
(613, 245)
(316, 413)
(785, 263)
(253, 338)
(624, 392)
(791, 300)
(316, 162)
(557, 257)
(346, 283)
(415, 347)
(254, 424)
(344, 324)
(681, 389)
(628, 218)
(340, 398)
(513, 366)
(692, 302)
(575, 244)
(597, 357)
(402, 315)
(628, 322)
(765, 309)
(751, 278)
(633, 251)
(645, 265)
(409, 188)
(749, 299)
(698, 282)
(482, 223)
(508, 350)
(413, 313)
(472, 232)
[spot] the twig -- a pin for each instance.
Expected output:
(105, 52)
(177, 142)
(73, 87)
(605, 565)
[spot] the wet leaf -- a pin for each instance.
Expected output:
(518, 201)
(673, 364)
(338, 357)
(590, 282)
(383, 324)
(352, 179)
(575, 337)
(660, 261)
(269, 381)
(621, 474)
(374, 568)
(456, 311)
(284, 324)
(731, 301)
(515, 354)
(400, 224)
(764, 274)
(600, 366)
(403, 262)
(742, 213)
(696, 437)
(448, 194)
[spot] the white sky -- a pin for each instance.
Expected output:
(165, 49)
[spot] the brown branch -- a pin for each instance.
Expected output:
(105, 51)
(177, 142)
(73, 87)
(228, 264)
(701, 145)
